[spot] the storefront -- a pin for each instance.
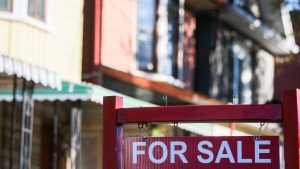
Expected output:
(18, 80)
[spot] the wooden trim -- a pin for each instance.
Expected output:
(201, 113)
(97, 32)
(164, 88)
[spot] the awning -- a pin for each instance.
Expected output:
(95, 93)
(10, 66)
(73, 92)
(253, 28)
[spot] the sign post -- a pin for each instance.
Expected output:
(113, 134)
(291, 127)
(115, 116)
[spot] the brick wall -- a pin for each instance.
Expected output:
(117, 33)
(117, 28)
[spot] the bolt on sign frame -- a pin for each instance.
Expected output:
(288, 113)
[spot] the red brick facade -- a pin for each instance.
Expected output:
(118, 40)
(116, 34)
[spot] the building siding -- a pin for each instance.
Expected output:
(117, 24)
(58, 49)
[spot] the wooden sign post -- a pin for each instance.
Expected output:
(114, 116)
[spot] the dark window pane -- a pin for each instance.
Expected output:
(173, 34)
(242, 74)
(5, 5)
(41, 10)
(146, 14)
(145, 47)
(146, 25)
(30, 9)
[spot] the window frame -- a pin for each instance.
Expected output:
(36, 9)
(19, 13)
(152, 32)
(173, 77)
(242, 59)
(10, 9)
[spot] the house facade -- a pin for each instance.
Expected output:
(152, 53)
(206, 50)
(41, 46)
(193, 52)
(36, 32)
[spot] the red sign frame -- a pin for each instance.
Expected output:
(288, 113)
(202, 152)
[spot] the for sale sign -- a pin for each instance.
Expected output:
(202, 152)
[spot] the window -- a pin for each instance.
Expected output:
(5, 5)
(242, 72)
(32, 12)
(146, 27)
(292, 5)
(36, 9)
(157, 36)
(172, 34)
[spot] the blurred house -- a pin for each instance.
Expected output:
(40, 47)
(46, 113)
(207, 49)
(194, 52)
